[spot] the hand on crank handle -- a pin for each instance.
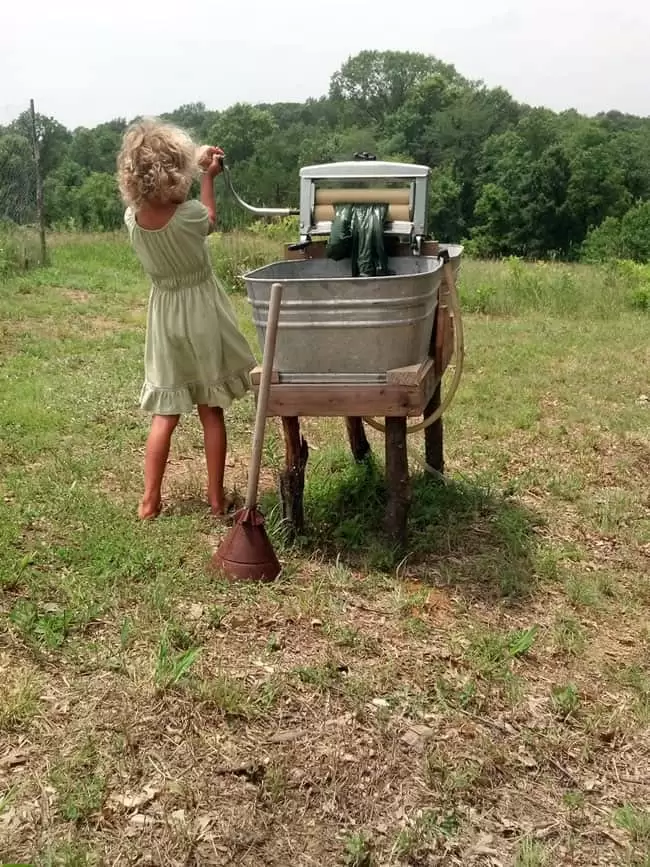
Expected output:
(211, 160)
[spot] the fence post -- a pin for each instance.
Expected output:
(39, 184)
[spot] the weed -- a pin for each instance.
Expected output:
(520, 642)
(574, 800)
(530, 853)
(583, 592)
(565, 701)
(416, 840)
(234, 698)
(274, 643)
(569, 636)
(179, 637)
(126, 634)
(358, 850)
(79, 784)
(19, 703)
(491, 654)
(322, 677)
(637, 679)
(67, 855)
(46, 628)
(635, 821)
(275, 785)
(351, 638)
(216, 616)
(172, 667)
(452, 779)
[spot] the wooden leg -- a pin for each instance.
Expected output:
(357, 438)
(397, 480)
(292, 479)
(433, 436)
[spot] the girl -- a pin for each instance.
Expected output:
(195, 354)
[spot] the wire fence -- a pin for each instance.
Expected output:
(23, 239)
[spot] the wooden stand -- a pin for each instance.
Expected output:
(292, 478)
(407, 392)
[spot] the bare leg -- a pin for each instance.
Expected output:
(155, 461)
(215, 441)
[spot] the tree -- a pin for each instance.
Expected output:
(98, 205)
(53, 139)
(17, 179)
(95, 149)
(379, 82)
(195, 119)
(242, 130)
(61, 194)
(521, 206)
(624, 238)
(512, 178)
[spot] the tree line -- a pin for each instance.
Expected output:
(508, 178)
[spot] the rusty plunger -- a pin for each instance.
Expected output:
(246, 553)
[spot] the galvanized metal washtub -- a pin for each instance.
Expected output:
(336, 327)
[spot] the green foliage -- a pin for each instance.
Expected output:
(510, 179)
(377, 82)
(627, 237)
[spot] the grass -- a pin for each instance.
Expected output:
(487, 696)
(20, 249)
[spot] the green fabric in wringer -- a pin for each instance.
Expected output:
(358, 234)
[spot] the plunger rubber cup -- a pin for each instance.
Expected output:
(246, 554)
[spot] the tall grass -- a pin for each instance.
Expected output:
(19, 249)
(510, 287)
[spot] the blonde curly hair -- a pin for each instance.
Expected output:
(156, 163)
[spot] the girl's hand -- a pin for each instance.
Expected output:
(210, 160)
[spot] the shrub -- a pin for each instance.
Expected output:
(624, 238)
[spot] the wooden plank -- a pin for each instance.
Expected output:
(344, 400)
(256, 375)
(444, 340)
(428, 383)
(397, 482)
(354, 400)
(411, 375)
(447, 344)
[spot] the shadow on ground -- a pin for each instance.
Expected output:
(461, 532)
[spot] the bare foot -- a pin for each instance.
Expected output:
(218, 509)
(149, 509)
(222, 505)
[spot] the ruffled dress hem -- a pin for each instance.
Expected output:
(175, 401)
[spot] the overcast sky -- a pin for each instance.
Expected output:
(85, 62)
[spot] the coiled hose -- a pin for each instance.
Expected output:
(459, 355)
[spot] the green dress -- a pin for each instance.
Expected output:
(194, 350)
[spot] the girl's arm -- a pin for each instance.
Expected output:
(208, 199)
(211, 170)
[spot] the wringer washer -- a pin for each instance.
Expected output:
(360, 347)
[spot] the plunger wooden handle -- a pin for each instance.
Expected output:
(263, 394)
